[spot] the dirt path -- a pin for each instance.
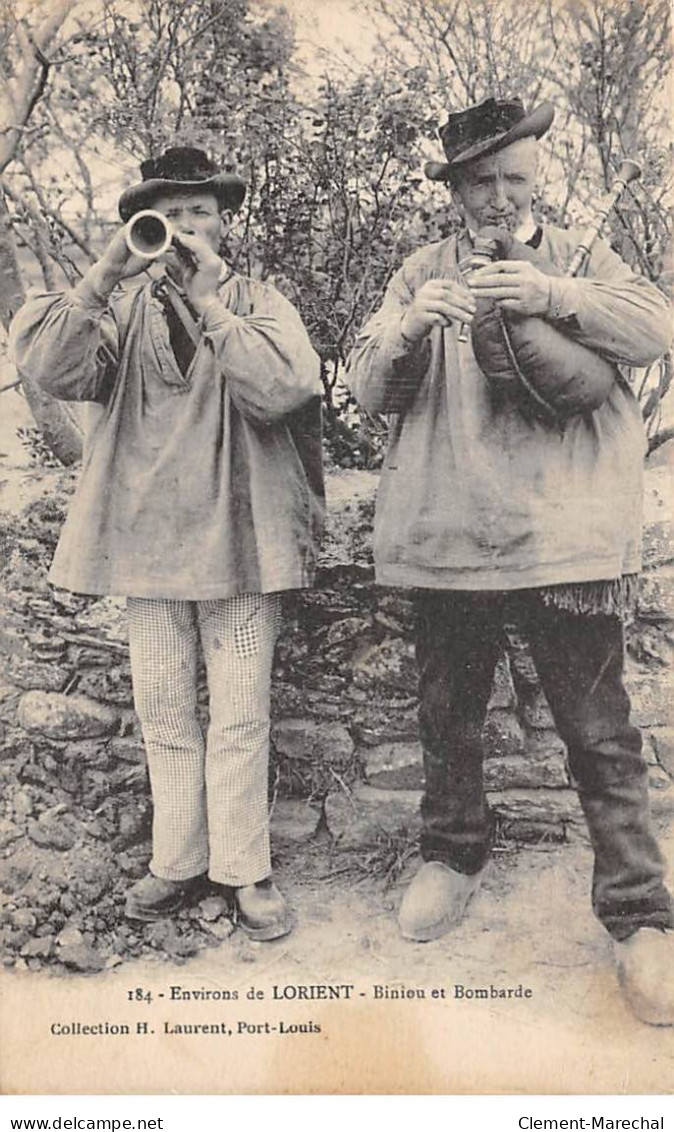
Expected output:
(529, 927)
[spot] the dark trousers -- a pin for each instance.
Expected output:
(579, 659)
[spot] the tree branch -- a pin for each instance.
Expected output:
(31, 81)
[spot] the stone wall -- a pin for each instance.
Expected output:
(344, 704)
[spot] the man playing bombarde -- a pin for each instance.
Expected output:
(200, 500)
(491, 513)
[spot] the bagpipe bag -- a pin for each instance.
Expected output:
(545, 370)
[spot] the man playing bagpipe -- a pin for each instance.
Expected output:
(512, 492)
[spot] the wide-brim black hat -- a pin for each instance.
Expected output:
(484, 129)
(187, 170)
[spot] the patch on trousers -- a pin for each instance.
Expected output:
(247, 636)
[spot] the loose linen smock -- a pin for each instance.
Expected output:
(193, 487)
(475, 496)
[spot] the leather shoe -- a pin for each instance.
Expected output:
(262, 911)
(435, 901)
(153, 897)
(646, 974)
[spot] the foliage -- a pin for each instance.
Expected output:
(36, 446)
(336, 197)
(332, 221)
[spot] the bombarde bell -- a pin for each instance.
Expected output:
(148, 234)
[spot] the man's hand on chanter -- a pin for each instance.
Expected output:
(438, 302)
(517, 286)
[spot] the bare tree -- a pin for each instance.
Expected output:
(24, 75)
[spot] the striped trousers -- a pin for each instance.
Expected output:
(209, 791)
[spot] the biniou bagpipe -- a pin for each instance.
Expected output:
(550, 375)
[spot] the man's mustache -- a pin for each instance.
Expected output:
(509, 219)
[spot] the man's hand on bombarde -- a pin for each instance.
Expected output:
(438, 302)
(201, 275)
(516, 285)
(116, 263)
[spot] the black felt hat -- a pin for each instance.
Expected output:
(188, 170)
(486, 128)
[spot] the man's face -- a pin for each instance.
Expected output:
(497, 189)
(194, 214)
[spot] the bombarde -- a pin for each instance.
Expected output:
(148, 234)
(550, 373)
